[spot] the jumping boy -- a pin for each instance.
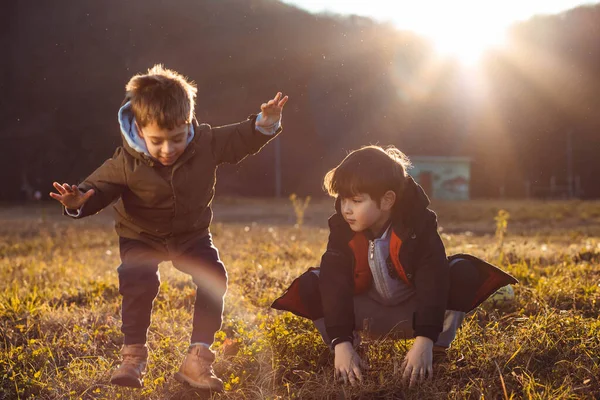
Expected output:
(385, 270)
(164, 180)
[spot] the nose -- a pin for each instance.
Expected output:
(346, 207)
(167, 148)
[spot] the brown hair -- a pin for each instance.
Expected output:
(370, 169)
(162, 96)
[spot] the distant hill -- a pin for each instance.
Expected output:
(351, 81)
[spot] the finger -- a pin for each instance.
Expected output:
(430, 371)
(67, 187)
(403, 366)
(357, 373)
(345, 377)
(421, 376)
(414, 377)
(56, 196)
(88, 194)
(351, 378)
(404, 363)
(263, 106)
(407, 373)
(58, 187)
(277, 97)
(282, 102)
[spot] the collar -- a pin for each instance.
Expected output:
(382, 234)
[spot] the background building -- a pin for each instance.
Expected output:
(444, 178)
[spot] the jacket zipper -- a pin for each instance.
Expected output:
(371, 249)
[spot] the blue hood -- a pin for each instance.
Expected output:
(130, 132)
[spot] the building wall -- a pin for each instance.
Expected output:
(446, 178)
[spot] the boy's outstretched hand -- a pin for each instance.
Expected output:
(418, 362)
(271, 110)
(70, 196)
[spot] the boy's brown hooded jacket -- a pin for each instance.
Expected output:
(169, 207)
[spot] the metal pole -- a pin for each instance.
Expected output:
(277, 167)
(570, 162)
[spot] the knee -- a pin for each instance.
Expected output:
(221, 278)
(138, 279)
(463, 274)
(308, 286)
(464, 282)
(213, 279)
(309, 293)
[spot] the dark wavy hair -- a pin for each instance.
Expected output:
(371, 169)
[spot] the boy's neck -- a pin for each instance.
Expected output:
(378, 229)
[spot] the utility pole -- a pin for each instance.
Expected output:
(570, 162)
(277, 167)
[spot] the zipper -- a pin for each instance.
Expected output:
(377, 272)
(174, 198)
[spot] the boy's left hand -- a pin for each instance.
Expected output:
(418, 361)
(271, 110)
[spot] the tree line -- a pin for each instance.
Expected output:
(526, 117)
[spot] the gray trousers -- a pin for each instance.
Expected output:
(378, 321)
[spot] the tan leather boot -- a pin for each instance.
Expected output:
(133, 366)
(196, 369)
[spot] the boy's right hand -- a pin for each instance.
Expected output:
(347, 363)
(70, 196)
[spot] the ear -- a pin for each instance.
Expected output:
(139, 131)
(388, 200)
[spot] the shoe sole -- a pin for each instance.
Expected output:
(179, 377)
(127, 382)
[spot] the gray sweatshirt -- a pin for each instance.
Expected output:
(386, 290)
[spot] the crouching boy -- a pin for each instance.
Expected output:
(385, 269)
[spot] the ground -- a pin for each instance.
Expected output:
(59, 308)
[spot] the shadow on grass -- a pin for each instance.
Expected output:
(178, 391)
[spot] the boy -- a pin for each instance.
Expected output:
(164, 177)
(385, 269)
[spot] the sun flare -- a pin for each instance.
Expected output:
(462, 32)
(460, 29)
(468, 43)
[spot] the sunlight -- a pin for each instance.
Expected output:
(468, 44)
(460, 29)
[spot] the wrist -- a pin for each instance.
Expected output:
(424, 341)
(267, 120)
(343, 346)
(341, 339)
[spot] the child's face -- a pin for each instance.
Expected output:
(362, 213)
(165, 145)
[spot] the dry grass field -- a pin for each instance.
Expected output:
(59, 308)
